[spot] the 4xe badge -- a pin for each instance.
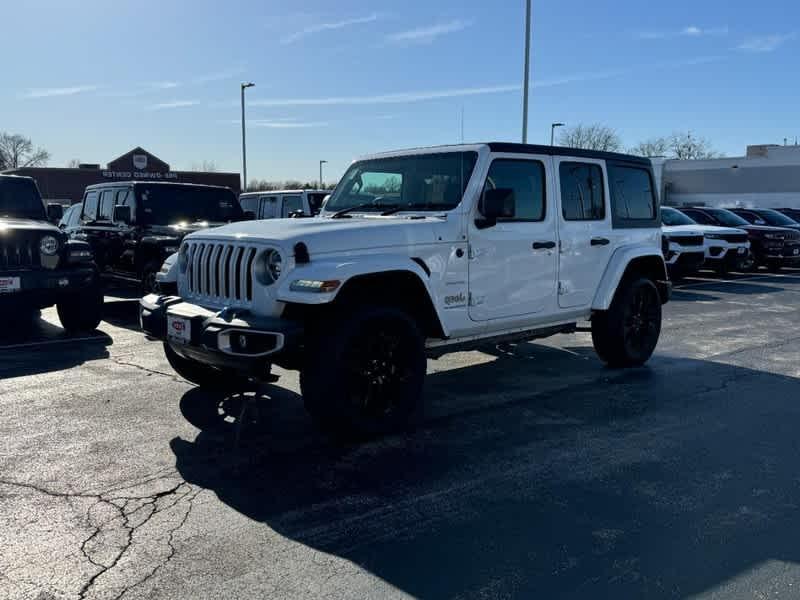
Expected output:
(454, 301)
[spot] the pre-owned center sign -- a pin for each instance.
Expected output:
(139, 175)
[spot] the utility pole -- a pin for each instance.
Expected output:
(527, 72)
(321, 185)
(244, 86)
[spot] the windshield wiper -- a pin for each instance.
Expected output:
(341, 213)
(416, 206)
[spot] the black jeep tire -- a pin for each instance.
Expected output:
(202, 375)
(81, 311)
(627, 333)
(364, 377)
(148, 279)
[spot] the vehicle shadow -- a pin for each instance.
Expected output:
(24, 354)
(122, 313)
(537, 473)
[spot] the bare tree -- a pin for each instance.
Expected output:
(73, 163)
(684, 146)
(207, 166)
(17, 151)
(651, 148)
(591, 137)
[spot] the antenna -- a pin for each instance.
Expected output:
(462, 124)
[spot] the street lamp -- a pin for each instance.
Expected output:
(322, 162)
(527, 72)
(244, 140)
(553, 132)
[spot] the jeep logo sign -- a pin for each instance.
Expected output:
(140, 161)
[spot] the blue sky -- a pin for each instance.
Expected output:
(92, 79)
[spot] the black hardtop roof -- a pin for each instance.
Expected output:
(159, 183)
(516, 148)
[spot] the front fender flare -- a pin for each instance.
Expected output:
(344, 269)
(616, 268)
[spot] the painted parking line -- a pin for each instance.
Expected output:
(738, 280)
(52, 342)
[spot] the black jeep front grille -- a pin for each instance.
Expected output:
(735, 238)
(20, 253)
(689, 240)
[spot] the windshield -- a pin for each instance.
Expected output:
(726, 217)
(672, 218)
(173, 204)
(773, 217)
(20, 198)
(421, 182)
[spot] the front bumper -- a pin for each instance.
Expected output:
(44, 287)
(227, 339)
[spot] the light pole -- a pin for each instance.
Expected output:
(322, 162)
(527, 72)
(553, 132)
(244, 86)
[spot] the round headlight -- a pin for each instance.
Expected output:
(48, 245)
(274, 264)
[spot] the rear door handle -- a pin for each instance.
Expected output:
(544, 245)
(600, 242)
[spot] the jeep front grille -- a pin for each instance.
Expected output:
(221, 272)
(735, 238)
(689, 240)
(19, 254)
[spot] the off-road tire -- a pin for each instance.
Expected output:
(148, 279)
(81, 311)
(364, 376)
(202, 375)
(627, 333)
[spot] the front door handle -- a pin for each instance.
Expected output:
(544, 245)
(600, 242)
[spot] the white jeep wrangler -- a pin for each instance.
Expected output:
(416, 254)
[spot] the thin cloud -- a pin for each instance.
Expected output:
(426, 35)
(61, 91)
(173, 104)
(688, 31)
(320, 27)
(284, 124)
(165, 85)
(766, 43)
(218, 76)
(396, 98)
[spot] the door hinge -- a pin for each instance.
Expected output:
(562, 289)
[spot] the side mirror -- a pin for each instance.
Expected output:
(122, 214)
(55, 212)
(249, 215)
(496, 204)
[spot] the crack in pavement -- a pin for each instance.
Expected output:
(131, 512)
(122, 363)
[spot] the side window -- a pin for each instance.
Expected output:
(269, 207)
(249, 204)
(632, 196)
(125, 198)
(582, 196)
(106, 211)
(291, 204)
(74, 216)
(90, 206)
(527, 179)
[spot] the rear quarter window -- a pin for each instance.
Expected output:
(634, 202)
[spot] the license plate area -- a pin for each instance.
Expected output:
(742, 250)
(179, 329)
(10, 285)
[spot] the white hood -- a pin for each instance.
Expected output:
(324, 235)
(699, 229)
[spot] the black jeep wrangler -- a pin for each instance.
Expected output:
(134, 226)
(39, 265)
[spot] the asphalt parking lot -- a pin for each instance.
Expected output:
(537, 472)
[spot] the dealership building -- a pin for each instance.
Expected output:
(67, 185)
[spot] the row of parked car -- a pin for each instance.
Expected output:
(740, 239)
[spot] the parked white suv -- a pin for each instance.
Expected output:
(723, 248)
(416, 254)
(283, 204)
